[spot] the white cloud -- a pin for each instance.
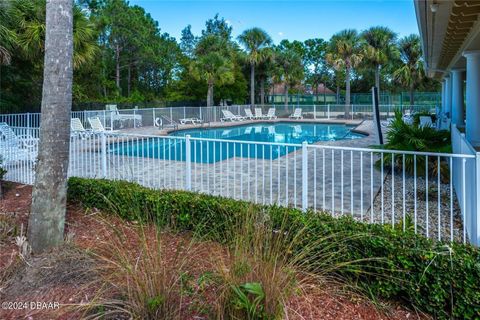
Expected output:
(280, 33)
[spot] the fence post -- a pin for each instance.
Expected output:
(188, 163)
(304, 176)
(314, 112)
(476, 226)
(103, 153)
(328, 111)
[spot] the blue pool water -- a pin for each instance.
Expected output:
(213, 151)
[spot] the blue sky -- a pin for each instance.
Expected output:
(293, 20)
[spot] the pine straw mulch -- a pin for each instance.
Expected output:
(68, 274)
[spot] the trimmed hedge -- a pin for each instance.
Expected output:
(440, 279)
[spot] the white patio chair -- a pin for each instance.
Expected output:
(117, 116)
(229, 116)
(96, 124)
(445, 124)
(426, 121)
(297, 114)
(258, 113)
(271, 114)
(248, 114)
(10, 138)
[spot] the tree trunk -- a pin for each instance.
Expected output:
(347, 93)
(412, 96)
(117, 67)
(286, 97)
(252, 85)
(129, 79)
(47, 216)
(210, 94)
(262, 92)
(377, 79)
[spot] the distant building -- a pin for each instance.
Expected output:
(279, 88)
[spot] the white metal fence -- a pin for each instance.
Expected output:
(147, 116)
(426, 192)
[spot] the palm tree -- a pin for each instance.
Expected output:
(345, 55)
(255, 41)
(29, 19)
(213, 63)
(289, 69)
(7, 36)
(379, 48)
(47, 215)
(411, 73)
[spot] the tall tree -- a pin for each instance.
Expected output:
(344, 53)
(255, 41)
(315, 51)
(411, 72)
(47, 216)
(218, 27)
(379, 48)
(289, 69)
(213, 63)
(188, 41)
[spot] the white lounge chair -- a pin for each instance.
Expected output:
(229, 116)
(297, 114)
(96, 124)
(9, 137)
(271, 114)
(77, 128)
(11, 154)
(386, 123)
(249, 114)
(258, 113)
(426, 121)
(190, 120)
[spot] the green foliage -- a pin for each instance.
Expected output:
(250, 298)
(441, 279)
(403, 136)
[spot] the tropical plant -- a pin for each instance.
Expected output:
(255, 41)
(379, 48)
(345, 54)
(49, 195)
(413, 137)
(411, 72)
(213, 63)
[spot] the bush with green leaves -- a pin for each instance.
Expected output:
(412, 137)
(442, 279)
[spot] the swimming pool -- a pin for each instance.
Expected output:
(279, 132)
(236, 142)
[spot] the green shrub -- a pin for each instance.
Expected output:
(441, 279)
(411, 137)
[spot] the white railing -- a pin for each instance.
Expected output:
(418, 194)
(467, 186)
(129, 118)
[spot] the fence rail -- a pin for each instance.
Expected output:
(420, 191)
(130, 118)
